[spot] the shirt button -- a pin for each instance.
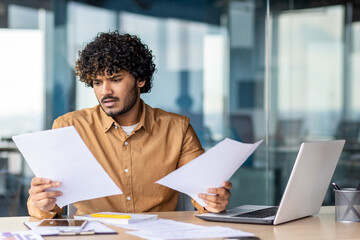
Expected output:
(126, 170)
(126, 143)
(128, 198)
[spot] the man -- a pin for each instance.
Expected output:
(135, 144)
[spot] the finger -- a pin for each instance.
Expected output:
(39, 181)
(215, 205)
(217, 191)
(221, 192)
(227, 185)
(45, 195)
(41, 188)
(214, 198)
(206, 197)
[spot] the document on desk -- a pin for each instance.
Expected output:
(210, 169)
(20, 235)
(61, 155)
(169, 229)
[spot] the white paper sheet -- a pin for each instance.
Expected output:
(210, 169)
(209, 232)
(169, 229)
(20, 235)
(161, 225)
(61, 155)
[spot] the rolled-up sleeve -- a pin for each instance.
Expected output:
(36, 212)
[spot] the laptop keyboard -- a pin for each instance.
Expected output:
(262, 213)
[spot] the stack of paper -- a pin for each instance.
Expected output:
(169, 229)
(133, 218)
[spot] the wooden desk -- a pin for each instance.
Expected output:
(322, 226)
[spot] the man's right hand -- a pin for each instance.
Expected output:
(41, 199)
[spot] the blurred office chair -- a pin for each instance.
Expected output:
(289, 132)
(4, 200)
(10, 181)
(203, 132)
(348, 130)
(10, 190)
(242, 127)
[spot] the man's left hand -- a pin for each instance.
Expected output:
(217, 202)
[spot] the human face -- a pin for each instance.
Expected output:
(117, 94)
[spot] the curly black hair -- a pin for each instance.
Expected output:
(113, 52)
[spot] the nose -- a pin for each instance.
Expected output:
(106, 88)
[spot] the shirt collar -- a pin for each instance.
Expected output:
(146, 118)
(107, 122)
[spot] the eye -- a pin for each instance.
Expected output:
(96, 82)
(116, 80)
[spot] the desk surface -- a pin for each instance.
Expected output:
(321, 226)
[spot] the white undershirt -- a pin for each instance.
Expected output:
(129, 129)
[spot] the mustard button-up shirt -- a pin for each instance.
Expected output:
(161, 143)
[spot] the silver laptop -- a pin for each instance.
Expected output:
(305, 191)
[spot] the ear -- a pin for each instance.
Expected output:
(141, 83)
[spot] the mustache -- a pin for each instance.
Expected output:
(109, 97)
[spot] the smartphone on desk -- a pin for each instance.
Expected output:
(64, 225)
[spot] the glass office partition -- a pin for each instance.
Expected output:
(22, 95)
(245, 119)
(313, 85)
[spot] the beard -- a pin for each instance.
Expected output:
(129, 103)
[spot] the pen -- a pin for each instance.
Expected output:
(101, 215)
(336, 187)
